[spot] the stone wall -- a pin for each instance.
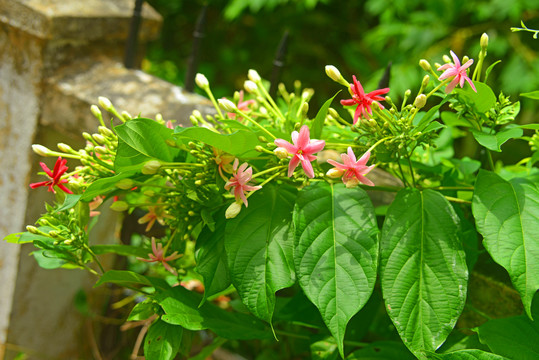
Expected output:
(57, 57)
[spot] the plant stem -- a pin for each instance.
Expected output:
(457, 200)
(245, 116)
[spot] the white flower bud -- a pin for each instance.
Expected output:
(105, 131)
(119, 206)
(105, 103)
(281, 153)
(233, 210)
(420, 101)
(40, 150)
(253, 76)
(101, 150)
(352, 183)
(126, 116)
(465, 59)
(125, 184)
(484, 41)
(250, 86)
(333, 73)
(64, 148)
(447, 59)
(227, 105)
(425, 81)
(32, 229)
(425, 65)
(151, 167)
(334, 173)
(100, 139)
(95, 110)
(202, 81)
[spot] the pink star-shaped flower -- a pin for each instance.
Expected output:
(459, 72)
(238, 183)
(242, 105)
(158, 255)
(302, 150)
(363, 101)
(353, 171)
(55, 176)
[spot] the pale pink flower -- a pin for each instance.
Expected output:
(459, 72)
(363, 101)
(158, 255)
(302, 150)
(353, 171)
(238, 183)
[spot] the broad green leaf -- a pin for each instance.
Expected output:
(141, 311)
(211, 258)
(425, 119)
(423, 268)
(514, 337)
(452, 119)
(70, 201)
(47, 262)
(237, 143)
(495, 141)
(162, 341)
(181, 307)
(140, 140)
(468, 354)
(336, 253)
(104, 185)
(529, 126)
(531, 95)
(507, 215)
(15, 238)
(123, 278)
(435, 125)
(318, 122)
(325, 349)
(382, 350)
(124, 250)
(259, 249)
(482, 100)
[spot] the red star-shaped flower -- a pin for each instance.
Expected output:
(363, 101)
(55, 176)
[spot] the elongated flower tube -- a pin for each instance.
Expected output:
(302, 150)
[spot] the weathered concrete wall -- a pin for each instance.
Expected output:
(57, 57)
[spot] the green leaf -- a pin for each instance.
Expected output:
(47, 262)
(141, 311)
(336, 253)
(426, 118)
(325, 349)
(181, 307)
(529, 126)
(237, 143)
(211, 257)
(452, 119)
(259, 249)
(141, 140)
(318, 122)
(495, 141)
(104, 185)
(124, 250)
(482, 100)
(423, 268)
(489, 69)
(162, 341)
(531, 95)
(506, 214)
(468, 354)
(123, 278)
(14, 238)
(514, 337)
(70, 201)
(382, 350)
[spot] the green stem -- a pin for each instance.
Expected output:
(270, 99)
(94, 256)
(214, 102)
(490, 161)
(378, 143)
(457, 200)
(446, 81)
(248, 118)
(268, 170)
(411, 170)
(474, 309)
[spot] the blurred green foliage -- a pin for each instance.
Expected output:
(359, 37)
